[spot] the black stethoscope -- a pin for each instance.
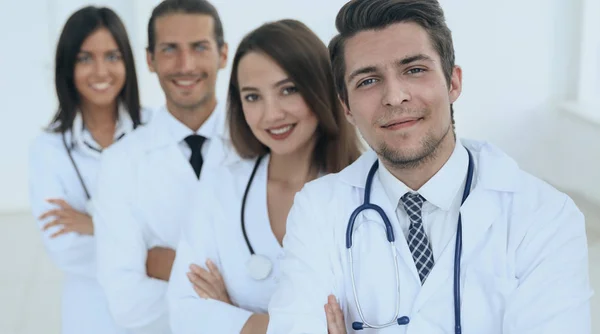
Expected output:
(259, 266)
(367, 205)
(88, 197)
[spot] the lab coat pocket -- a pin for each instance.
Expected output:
(488, 293)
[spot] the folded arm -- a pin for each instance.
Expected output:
(189, 312)
(136, 301)
(73, 253)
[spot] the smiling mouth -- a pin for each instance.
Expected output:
(281, 130)
(402, 124)
(102, 86)
(186, 83)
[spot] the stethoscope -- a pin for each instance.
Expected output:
(367, 205)
(259, 267)
(88, 197)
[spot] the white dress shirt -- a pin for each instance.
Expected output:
(442, 193)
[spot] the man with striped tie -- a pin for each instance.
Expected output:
(426, 232)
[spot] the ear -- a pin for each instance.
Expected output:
(455, 84)
(347, 111)
(150, 61)
(223, 55)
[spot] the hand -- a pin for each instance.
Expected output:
(68, 218)
(209, 283)
(335, 317)
(159, 263)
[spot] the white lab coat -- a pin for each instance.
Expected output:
(52, 175)
(524, 261)
(215, 233)
(146, 191)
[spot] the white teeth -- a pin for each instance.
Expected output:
(185, 82)
(101, 86)
(281, 131)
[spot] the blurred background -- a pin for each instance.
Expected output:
(531, 75)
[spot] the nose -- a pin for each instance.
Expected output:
(186, 62)
(395, 93)
(273, 111)
(101, 68)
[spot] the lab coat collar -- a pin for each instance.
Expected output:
(494, 170)
(81, 138)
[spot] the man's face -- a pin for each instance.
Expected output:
(398, 96)
(186, 59)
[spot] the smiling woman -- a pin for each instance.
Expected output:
(98, 99)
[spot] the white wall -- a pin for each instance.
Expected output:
(518, 57)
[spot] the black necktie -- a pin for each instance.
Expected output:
(195, 143)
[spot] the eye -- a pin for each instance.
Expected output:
(113, 57)
(416, 70)
(367, 82)
(84, 59)
(167, 49)
(200, 47)
(289, 90)
(251, 97)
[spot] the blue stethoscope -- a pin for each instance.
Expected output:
(367, 205)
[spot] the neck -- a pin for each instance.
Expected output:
(416, 175)
(295, 168)
(99, 118)
(193, 117)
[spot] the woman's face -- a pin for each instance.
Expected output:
(274, 109)
(99, 70)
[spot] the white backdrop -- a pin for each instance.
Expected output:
(519, 66)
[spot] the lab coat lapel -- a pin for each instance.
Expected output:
(163, 153)
(478, 214)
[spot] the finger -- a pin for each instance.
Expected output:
(60, 202)
(214, 270)
(51, 224)
(200, 292)
(52, 213)
(63, 231)
(205, 275)
(336, 311)
(203, 285)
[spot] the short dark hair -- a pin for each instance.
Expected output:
(184, 7)
(78, 27)
(303, 56)
(362, 15)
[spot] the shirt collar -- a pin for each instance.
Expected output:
(440, 190)
(179, 131)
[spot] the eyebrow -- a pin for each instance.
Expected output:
(204, 41)
(402, 62)
(108, 51)
(277, 84)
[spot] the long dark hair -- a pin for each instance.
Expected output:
(304, 57)
(78, 27)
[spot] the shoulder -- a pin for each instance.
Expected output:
(47, 139)
(531, 197)
(48, 146)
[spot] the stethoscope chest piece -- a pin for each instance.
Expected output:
(259, 267)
